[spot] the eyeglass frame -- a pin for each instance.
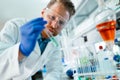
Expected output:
(47, 10)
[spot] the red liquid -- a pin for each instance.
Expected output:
(107, 30)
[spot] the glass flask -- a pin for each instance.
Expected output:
(105, 21)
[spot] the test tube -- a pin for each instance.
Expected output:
(49, 34)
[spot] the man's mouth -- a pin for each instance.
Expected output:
(51, 30)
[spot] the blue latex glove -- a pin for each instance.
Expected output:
(29, 33)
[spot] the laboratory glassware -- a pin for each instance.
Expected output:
(86, 63)
(105, 22)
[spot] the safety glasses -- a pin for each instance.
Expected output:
(53, 16)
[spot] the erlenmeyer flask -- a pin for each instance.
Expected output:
(105, 21)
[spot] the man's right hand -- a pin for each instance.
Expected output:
(29, 33)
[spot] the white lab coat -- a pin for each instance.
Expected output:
(12, 69)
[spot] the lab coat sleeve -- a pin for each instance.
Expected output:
(54, 66)
(9, 66)
(9, 46)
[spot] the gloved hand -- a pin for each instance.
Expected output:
(29, 33)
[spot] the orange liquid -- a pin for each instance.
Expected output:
(107, 30)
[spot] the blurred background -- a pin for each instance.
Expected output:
(22, 8)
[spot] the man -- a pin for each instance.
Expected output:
(25, 46)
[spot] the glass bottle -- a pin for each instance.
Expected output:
(104, 58)
(105, 21)
(44, 71)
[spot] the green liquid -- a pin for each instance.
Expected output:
(54, 41)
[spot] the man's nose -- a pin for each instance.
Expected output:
(54, 24)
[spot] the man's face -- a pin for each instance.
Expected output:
(56, 17)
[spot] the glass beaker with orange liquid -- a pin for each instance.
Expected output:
(107, 31)
(105, 22)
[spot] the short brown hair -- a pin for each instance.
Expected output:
(66, 3)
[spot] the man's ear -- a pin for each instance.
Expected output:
(42, 12)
